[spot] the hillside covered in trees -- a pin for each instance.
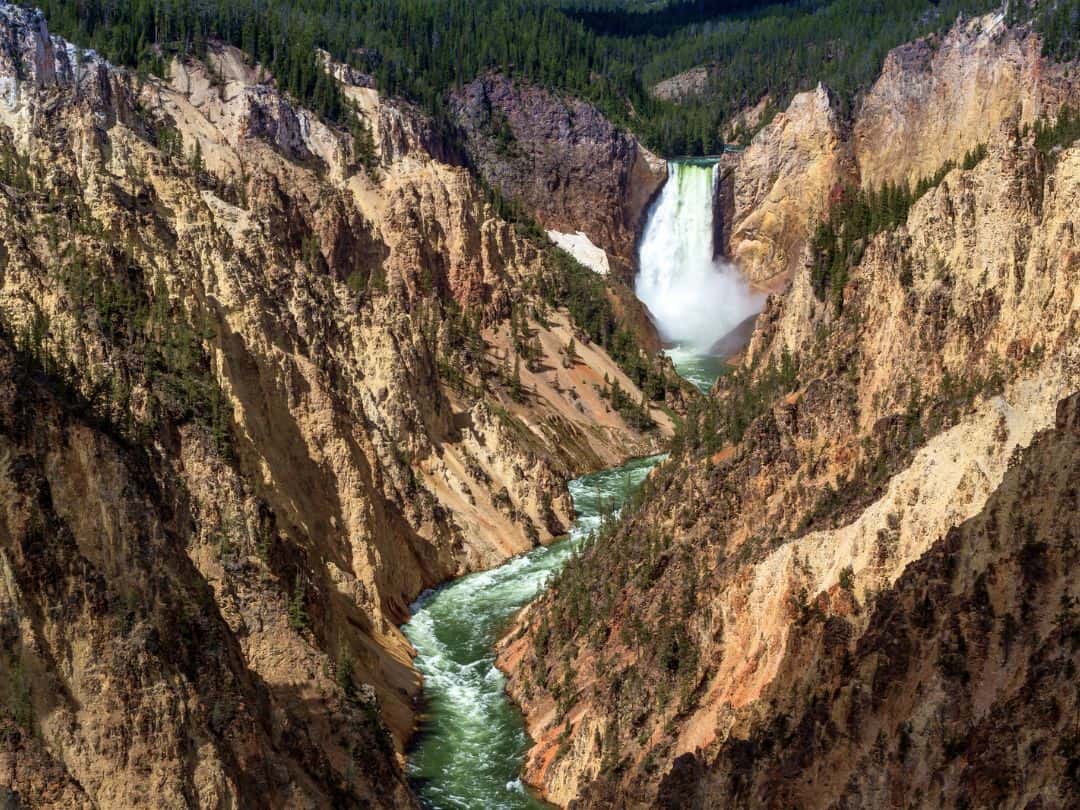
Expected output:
(606, 52)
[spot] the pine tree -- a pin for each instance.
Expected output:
(344, 674)
(298, 618)
(570, 356)
(197, 164)
(516, 389)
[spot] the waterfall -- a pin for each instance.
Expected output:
(694, 299)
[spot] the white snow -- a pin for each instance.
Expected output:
(581, 248)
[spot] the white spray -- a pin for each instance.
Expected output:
(694, 299)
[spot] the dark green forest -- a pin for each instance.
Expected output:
(1059, 23)
(605, 51)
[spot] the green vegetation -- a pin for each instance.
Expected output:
(773, 50)
(578, 612)
(607, 53)
(526, 343)
(454, 336)
(344, 673)
(364, 146)
(19, 700)
(517, 391)
(925, 414)
(158, 372)
(570, 355)
(1063, 132)
(636, 414)
(1059, 23)
(143, 33)
(714, 422)
(1060, 27)
(847, 578)
(298, 617)
(158, 350)
(566, 283)
(456, 342)
(14, 167)
(859, 214)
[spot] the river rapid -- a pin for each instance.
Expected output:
(472, 740)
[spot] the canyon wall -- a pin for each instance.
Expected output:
(781, 184)
(266, 380)
(936, 100)
(939, 97)
(560, 158)
(853, 568)
(960, 687)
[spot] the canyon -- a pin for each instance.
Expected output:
(385, 460)
(260, 392)
(821, 598)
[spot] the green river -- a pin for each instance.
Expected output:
(472, 739)
(700, 369)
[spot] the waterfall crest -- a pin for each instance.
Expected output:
(694, 299)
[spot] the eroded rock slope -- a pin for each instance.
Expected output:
(564, 161)
(936, 100)
(853, 569)
(266, 379)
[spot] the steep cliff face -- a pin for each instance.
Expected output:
(782, 184)
(954, 687)
(759, 568)
(563, 160)
(937, 99)
(296, 377)
(127, 678)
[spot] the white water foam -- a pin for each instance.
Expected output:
(694, 299)
(473, 741)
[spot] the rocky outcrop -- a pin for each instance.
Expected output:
(562, 160)
(937, 100)
(941, 96)
(724, 205)
(681, 86)
(954, 687)
(752, 641)
(746, 123)
(122, 660)
(283, 387)
(782, 185)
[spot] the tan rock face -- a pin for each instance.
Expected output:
(939, 97)
(748, 120)
(285, 408)
(936, 99)
(945, 692)
(683, 85)
(745, 641)
(782, 184)
(129, 674)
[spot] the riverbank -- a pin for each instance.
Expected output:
(472, 740)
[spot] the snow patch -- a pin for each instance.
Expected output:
(581, 248)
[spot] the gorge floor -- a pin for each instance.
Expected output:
(472, 740)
